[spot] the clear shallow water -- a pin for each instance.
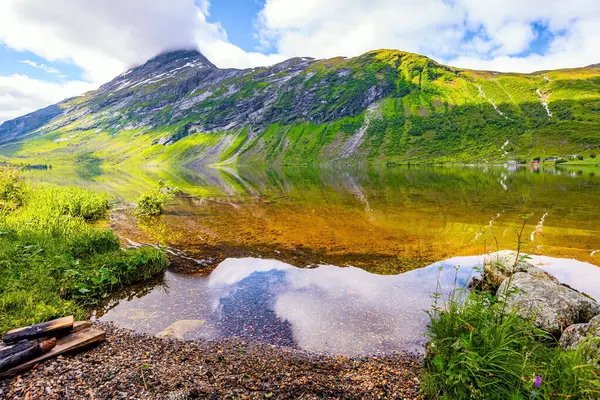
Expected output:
(385, 220)
(327, 309)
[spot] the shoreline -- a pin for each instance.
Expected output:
(129, 365)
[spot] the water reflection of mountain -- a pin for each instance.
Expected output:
(417, 214)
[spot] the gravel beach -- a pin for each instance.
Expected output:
(133, 366)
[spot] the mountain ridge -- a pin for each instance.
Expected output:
(385, 106)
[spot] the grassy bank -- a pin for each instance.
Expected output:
(55, 258)
(479, 349)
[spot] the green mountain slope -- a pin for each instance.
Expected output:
(382, 107)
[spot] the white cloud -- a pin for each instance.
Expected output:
(20, 94)
(352, 27)
(496, 31)
(44, 67)
(107, 37)
(104, 38)
(576, 46)
(211, 38)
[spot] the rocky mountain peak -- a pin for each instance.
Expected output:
(171, 64)
(176, 56)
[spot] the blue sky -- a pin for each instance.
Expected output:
(51, 49)
(30, 64)
(237, 17)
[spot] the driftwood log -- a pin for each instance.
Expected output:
(72, 342)
(50, 328)
(7, 351)
(23, 352)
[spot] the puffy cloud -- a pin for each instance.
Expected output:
(20, 94)
(212, 40)
(575, 43)
(351, 27)
(491, 34)
(107, 37)
(104, 38)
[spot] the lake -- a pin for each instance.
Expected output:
(327, 309)
(257, 252)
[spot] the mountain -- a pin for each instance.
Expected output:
(385, 106)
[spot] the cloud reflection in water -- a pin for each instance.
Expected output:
(326, 309)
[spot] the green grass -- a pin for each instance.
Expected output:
(478, 349)
(55, 258)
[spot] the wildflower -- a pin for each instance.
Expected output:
(537, 383)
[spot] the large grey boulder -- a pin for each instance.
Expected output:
(575, 334)
(549, 305)
(502, 264)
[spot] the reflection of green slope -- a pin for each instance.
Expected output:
(128, 184)
(473, 188)
(353, 215)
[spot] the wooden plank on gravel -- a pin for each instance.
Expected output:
(39, 330)
(77, 326)
(75, 341)
(81, 325)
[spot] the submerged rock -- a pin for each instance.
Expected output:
(575, 334)
(179, 329)
(502, 264)
(545, 302)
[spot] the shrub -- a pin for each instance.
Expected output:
(106, 271)
(478, 349)
(152, 203)
(12, 189)
(580, 158)
(593, 155)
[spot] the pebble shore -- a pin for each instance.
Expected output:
(133, 366)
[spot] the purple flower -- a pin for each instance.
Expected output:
(538, 381)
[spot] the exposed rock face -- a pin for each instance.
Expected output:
(551, 306)
(575, 334)
(499, 266)
(181, 85)
(27, 123)
(539, 297)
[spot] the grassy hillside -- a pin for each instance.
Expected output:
(384, 107)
